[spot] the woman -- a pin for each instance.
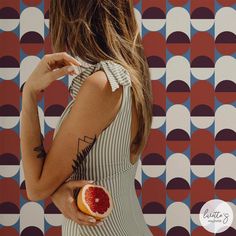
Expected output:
(106, 124)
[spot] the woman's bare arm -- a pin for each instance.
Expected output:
(94, 107)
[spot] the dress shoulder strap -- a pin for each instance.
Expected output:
(115, 72)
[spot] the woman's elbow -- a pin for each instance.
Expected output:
(35, 194)
(34, 198)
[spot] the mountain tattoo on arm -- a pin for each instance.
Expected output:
(81, 155)
(79, 164)
(40, 148)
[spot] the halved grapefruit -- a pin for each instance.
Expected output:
(95, 201)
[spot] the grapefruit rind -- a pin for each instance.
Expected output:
(84, 207)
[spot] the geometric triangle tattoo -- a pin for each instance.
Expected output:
(79, 165)
(81, 155)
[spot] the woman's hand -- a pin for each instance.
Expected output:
(65, 202)
(50, 68)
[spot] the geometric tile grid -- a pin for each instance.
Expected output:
(190, 155)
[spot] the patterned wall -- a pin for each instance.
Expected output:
(190, 156)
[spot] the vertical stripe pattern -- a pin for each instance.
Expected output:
(108, 162)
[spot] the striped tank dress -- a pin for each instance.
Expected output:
(108, 162)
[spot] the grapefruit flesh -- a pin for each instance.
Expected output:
(95, 201)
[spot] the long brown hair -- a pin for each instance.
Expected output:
(98, 30)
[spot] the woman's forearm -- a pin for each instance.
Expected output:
(30, 141)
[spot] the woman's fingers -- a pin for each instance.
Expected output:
(62, 62)
(60, 56)
(76, 214)
(55, 74)
(85, 223)
(80, 215)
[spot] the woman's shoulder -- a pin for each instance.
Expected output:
(96, 94)
(105, 71)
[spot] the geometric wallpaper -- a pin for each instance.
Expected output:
(190, 155)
